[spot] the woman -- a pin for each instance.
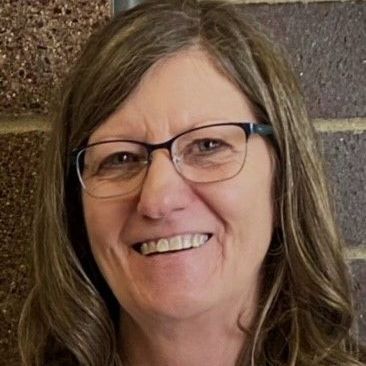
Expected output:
(183, 216)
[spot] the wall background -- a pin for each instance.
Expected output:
(39, 40)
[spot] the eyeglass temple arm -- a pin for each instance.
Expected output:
(261, 129)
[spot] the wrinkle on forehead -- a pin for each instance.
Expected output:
(177, 93)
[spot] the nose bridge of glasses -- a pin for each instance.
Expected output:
(166, 145)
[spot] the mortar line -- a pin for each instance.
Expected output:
(356, 125)
(356, 253)
(23, 124)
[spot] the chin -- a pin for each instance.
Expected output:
(174, 306)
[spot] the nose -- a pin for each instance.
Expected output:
(163, 191)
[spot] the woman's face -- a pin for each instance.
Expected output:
(176, 94)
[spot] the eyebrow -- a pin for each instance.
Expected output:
(109, 137)
(121, 136)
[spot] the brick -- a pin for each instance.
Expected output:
(39, 41)
(19, 162)
(358, 268)
(326, 41)
(327, 45)
(345, 154)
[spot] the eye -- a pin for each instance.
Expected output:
(208, 145)
(119, 159)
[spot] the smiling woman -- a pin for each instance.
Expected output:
(183, 214)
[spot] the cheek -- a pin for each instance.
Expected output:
(105, 221)
(244, 206)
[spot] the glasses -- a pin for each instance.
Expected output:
(205, 154)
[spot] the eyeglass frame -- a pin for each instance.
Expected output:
(249, 128)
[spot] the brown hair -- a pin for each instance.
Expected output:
(306, 315)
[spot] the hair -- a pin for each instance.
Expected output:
(306, 313)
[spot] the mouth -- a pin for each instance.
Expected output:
(172, 244)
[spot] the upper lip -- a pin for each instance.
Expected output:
(160, 235)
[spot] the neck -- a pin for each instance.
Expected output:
(208, 339)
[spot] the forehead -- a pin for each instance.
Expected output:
(177, 93)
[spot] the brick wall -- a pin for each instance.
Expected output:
(39, 41)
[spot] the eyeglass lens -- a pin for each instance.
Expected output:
(208, 154)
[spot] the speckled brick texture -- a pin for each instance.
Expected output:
(327, 44)
(359, 276)
(39, 40)
(346, 158)
(19, 164)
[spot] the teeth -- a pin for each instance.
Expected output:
(145, 249)
(162, 246)
(174, 243)
(187, 241)
(197, 241)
